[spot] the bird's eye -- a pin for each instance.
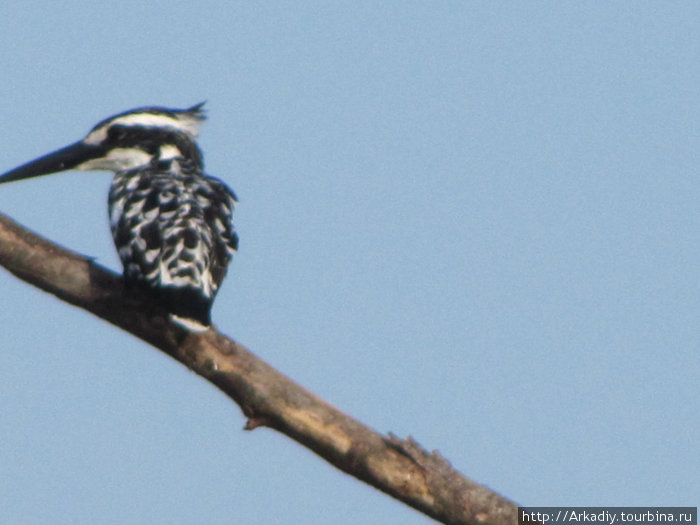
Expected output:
(117, 133)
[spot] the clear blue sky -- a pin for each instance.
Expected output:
(474, 223)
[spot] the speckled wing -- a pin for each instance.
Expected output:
(173, 232)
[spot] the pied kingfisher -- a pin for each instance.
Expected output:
(171, 223)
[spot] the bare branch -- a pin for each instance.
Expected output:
(398, 467)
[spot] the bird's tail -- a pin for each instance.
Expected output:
(187, 307)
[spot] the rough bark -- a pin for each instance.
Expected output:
(399, 467)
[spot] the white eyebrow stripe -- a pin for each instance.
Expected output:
(188, 125)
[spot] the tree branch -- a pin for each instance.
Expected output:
(400, 468)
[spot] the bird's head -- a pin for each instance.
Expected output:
(129, 140)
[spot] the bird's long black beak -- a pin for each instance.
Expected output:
(60, 160)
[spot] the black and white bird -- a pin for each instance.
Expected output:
(171, 223)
